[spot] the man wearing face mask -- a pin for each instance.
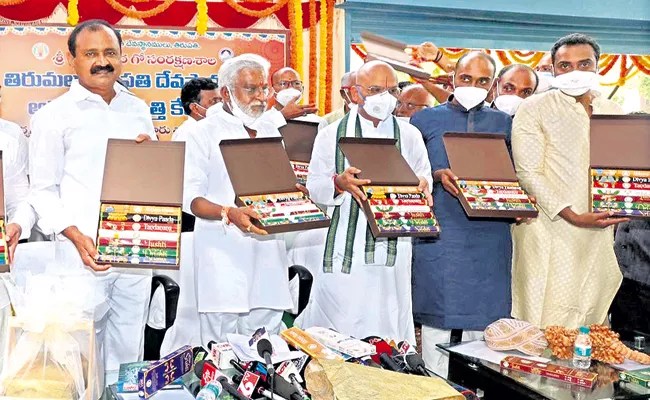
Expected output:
(545, 73)
(363, 287)
(197, 96)
(288, 89)
(414, 98)
(564, 267)
(233, 257)
(471, 256)
(348, 81)
(515, 83)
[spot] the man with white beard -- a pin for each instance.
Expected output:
(232, 256)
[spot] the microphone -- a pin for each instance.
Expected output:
(288, 371)
(412, 359)
(265, 350)
(208, 372)
(384, 353)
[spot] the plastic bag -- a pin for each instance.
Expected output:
(52, 352)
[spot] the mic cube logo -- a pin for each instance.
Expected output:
(404, 348)
(209, 373)
(248, 384)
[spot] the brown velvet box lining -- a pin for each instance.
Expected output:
(147, 174)
(482, 157)
(380, 161)
(262, 167)
(299, 137)
(619, 142)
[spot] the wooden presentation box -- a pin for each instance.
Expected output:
(380, 161)
(260, 168)
(141, 204)
(619, 172)
(486, 176)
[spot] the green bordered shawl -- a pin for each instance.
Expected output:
(353, 217)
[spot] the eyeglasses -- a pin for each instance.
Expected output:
(375, 90)
(410, 106)
(252, 91)
(288, 84)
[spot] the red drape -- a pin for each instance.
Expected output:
(179, 14)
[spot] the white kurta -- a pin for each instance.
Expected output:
(67, 155)
(562, 274)
(235, 271)
(373, 299)
(14, 147)
(184, 130)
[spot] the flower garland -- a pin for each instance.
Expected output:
(607, 64)
(322, 81)
(313, 66)
(299, 44)
(11, 2)
(624, 70)
(73, 12)
(140, 14)
(329, 55)
(291, 11)
(501, 55)
(255, 13)
(202, 16)
(642, 63)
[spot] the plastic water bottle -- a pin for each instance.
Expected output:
(582, 349)
(211, 391)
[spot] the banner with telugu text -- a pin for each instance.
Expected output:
(156, 64)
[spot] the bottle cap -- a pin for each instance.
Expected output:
(584, 329)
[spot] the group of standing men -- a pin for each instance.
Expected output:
(563, 270)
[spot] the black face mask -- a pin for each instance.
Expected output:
(101, 68)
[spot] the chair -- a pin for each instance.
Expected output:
(153, 338)
(629, 310)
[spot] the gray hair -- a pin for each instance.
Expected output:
(233, 66)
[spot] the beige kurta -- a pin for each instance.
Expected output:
(561, 274)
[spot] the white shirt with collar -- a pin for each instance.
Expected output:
(185, 130)
(14, 147)
(68, 150)
(236, 271)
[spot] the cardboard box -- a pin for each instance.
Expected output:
(4, 259)
(301, 340)
(640, 377)
(159, 374)
(143, 175)
(299, 137)
(391, 52)
(565, 374)
(619, 176)
(380, 161)
(484, 157)
(260, 167)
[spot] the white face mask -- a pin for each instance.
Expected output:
(246, 118)
(380, 106)
(508, 103)
(405, 119)
(470, 96)
(213, 109)
(286, 95)
(575, 83)
(545, 81)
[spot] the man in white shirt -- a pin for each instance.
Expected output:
(20, 216)
(288, 89)
(241, 272)
(197, 96)
(67, 154)
(349, 294)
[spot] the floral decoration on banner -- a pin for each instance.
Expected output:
(291, 11)
(202, 16)
(329, 21)
(11, 2)
(73, 12)
(642, 63)
(299, 45)
(322, 81)
(255, 13)
(606, 63)
(313, 60)
(140, 14)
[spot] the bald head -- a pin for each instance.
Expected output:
(349, 79)
(286, 78)
(413, 99)
(475, 68)
(373, 78)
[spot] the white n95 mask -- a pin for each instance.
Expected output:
(576, 83)
(286, 95)
(380, 106)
